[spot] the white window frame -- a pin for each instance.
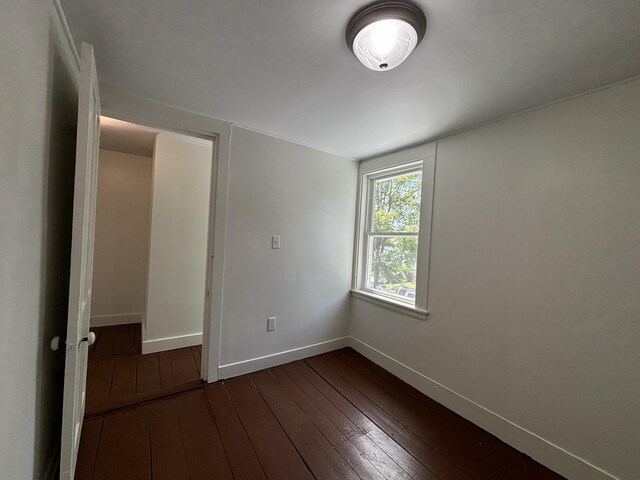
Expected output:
(406, 161)
(368, 231)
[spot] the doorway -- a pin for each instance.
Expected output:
(151, 264)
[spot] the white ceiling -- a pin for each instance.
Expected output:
(282, 66)
(126, 137)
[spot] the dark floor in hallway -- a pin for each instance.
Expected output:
(120, 375)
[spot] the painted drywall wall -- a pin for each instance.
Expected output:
(120, 261)
(38, 100)
(178, 247)
(534, 281)
(307, 197)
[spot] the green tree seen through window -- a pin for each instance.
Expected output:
(392, 257)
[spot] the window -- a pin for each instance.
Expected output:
(392, 234)
(392, 251)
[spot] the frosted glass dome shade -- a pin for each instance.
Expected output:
(385, 44)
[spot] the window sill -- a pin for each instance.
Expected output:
(390, 304)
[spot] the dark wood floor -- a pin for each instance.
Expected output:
(334, 416)
(119, 375)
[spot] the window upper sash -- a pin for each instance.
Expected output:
(380, 196)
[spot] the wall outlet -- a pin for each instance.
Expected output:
(275, 242)
(271, 324)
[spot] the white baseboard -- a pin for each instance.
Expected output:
(260, 363)
(541, 450)
(171, 343)
(117, 319)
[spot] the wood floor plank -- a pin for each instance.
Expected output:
(166, 370)
(125, 338)
(124, 451)
(374, 444)
(439, 466)
(99, 377)
(364, 456)
(385, 441)
(422, 451)
(278, 457)
(114, 383)
(124, 380)
(333, 416)
(240, 453)
(104, 345)
(513, 463)
(197, 357)
(420, 421)
(206, 456)
(319, 455)
(168, 458)
(148, 377)
(115, 406)
(90, 440)
(383, 378)
(183, 365)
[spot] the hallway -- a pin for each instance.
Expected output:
(119, 375)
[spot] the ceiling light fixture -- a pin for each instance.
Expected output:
(383, 35)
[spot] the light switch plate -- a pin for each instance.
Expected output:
(271, 324)
(275, 242)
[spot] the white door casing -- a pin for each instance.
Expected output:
(81, 269)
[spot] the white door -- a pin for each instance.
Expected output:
(84, 209)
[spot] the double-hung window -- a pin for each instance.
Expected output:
(392, 249)
(393, 223)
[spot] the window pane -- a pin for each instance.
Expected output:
(396, 203)
(391, 266)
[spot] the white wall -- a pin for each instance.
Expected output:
(535, 284)
(120, 261)
(37, 148)
(307, 197)
(563, 146)
(178, 249)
